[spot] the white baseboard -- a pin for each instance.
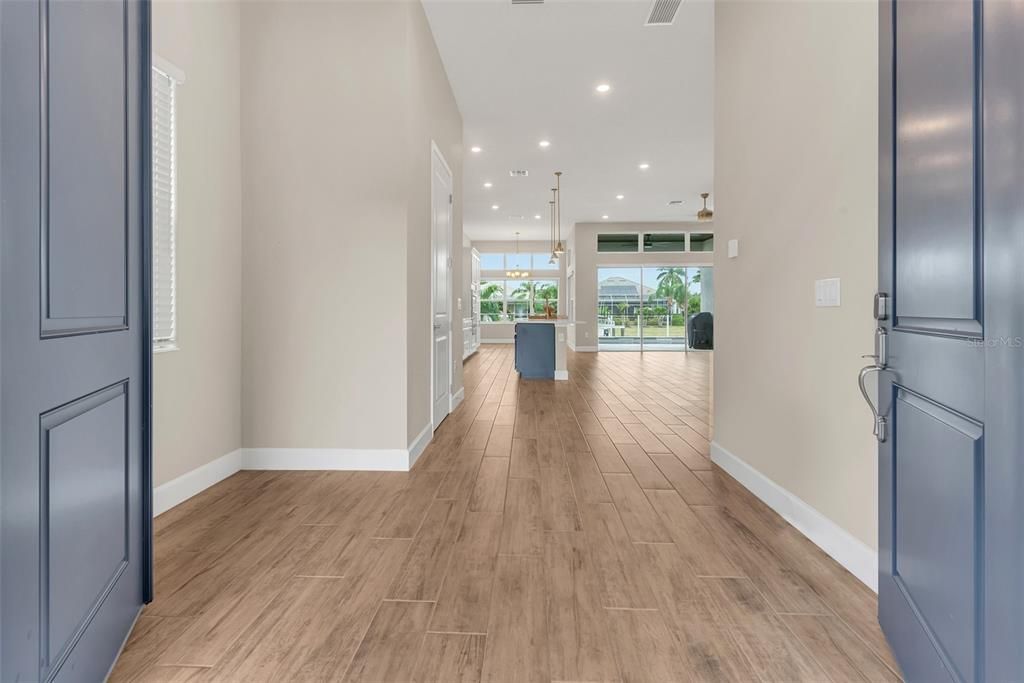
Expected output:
(419, 444)
(367, 459)
(497, 341)
(179, 490)
(189, 484)
(585, 349)
(457, 398)
(561, 374)
(843, 547)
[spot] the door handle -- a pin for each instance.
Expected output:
(881, 358)
(881, 423)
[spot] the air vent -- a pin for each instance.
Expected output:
(676, 202)
(518, 173)
(663, 12)
(527, 2)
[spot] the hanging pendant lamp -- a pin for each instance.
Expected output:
(559, 247)
(551, 206)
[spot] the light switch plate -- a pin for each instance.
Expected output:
(734, 248)
(826, 292)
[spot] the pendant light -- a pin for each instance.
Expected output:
(551, 206)
(705, 214)
(559, 247)
(515, 272)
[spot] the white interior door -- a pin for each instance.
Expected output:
(441, 286)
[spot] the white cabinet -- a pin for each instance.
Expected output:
(471, 324)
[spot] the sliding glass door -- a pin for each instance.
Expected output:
(649, 308)
(620, 297)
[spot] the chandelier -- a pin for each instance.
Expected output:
(515, 272)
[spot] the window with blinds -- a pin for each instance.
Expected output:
(164, 210)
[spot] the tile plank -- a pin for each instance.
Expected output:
(517, 631)
(396, 629)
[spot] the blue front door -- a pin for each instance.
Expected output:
(951, 249)
(73, 334)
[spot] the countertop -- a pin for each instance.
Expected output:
(557, 322)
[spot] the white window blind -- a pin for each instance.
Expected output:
(164, 210)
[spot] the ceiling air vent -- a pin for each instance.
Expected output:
(676, 202)
(527, 2)
(663, 12)
(518, 173)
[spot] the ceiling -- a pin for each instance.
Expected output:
(526, 73)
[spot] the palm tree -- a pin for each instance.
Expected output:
(547, 292)
(672, 286)
(526, 290)
(489, 290)
(491, 295)
(693, 304)
(623, 307)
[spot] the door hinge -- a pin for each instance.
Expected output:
(451, 198)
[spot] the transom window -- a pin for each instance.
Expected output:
(522, 261)
(654, 242)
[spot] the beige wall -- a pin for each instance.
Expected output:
(585, 261)
(796, 184)
(340, 101)
(433, 117)
(196, 403)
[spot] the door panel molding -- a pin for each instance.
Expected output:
(99, 405)
(937, 540)
(75, 318)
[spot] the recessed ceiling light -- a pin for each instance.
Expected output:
(604, 217)
(495, 207)
(644, 166)
(544, 143)
(604, 87)
(537, 216)
(620, 196)
(475, 150)
(488, 185)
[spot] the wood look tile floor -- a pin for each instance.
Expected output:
(552, 531)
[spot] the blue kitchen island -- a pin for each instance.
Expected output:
(540, 348)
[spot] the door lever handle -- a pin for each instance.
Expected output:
(881, 361)
(881, 423)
